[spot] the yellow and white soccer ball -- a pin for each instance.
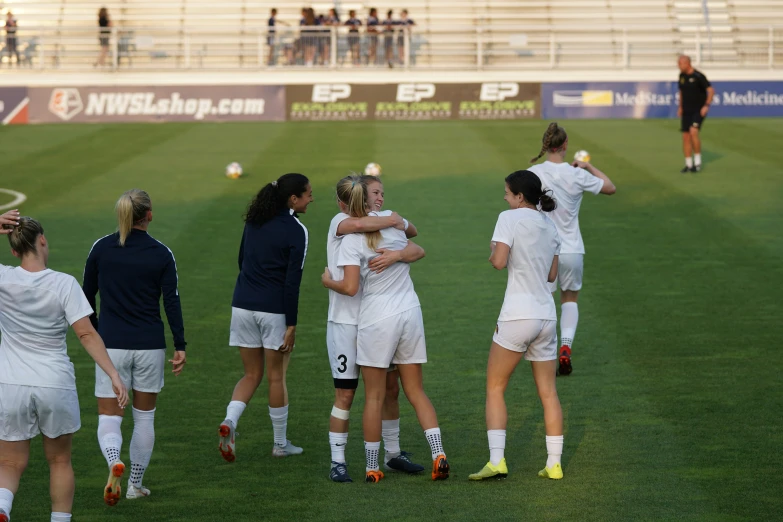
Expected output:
(582, 155)
(234, 170)
(373, 169)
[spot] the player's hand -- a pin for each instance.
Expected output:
(119, 390)
(679, 112)
(399, 223)
(288, 340)
(581, 164)
(10, 219)
(386, 259)
(704, 110)
(178, 362)
(326, 277)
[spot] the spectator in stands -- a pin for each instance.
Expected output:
(388, 38)
(405, 24)
(104, 24)
(309, 36)
(327, 22)
(270, 39)
(10, 38)
(372, 34)
(354, 43)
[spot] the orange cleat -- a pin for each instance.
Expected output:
(3, 516)
(111, 494)
(374, 475)
(565, 361)
(440, 468)
(227, 444)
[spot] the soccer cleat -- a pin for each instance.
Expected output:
(440, 468)
(374, 475)
(565, 361)
(113, 490)
(489, 471)
(227, 445)
(3, 516)
(686, 169)
(339, 472)
(402, 462)
(554, 473)
(696, 168)
(287, 450)
(136, 492)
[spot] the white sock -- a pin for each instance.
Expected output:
(6, 500)
(110, 437)
(337, 441)
(141, 445)
(371, 450)
(697, 159)
(436, 446)
(391, 438)
(279, 418)
(689, 162)
(497, 445)
(60, 517)
(569, 318)
(234, 411)
(554, 449)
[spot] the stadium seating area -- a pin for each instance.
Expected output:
(449, 33)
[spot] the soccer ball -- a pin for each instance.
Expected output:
(372, 169)
(582, 155)
(234, 170)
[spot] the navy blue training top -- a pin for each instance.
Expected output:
(271, 259)
(131, 280)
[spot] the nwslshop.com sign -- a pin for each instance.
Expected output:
(158, 103)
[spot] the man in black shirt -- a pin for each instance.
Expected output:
(696, 94)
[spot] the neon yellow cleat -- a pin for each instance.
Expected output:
(555, 472)
(489, 471)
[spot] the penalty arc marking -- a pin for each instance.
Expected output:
(19, 198)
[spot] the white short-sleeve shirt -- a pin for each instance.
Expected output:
(36, 309)
(343, 309)
(533, 242)
(386, 294)
(568, 184)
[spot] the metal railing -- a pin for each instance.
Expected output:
(468, 47)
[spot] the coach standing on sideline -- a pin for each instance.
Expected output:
(696, 94)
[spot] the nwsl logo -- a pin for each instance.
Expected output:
(65, 103)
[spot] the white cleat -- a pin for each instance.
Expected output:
(136, 492)
(287, 450)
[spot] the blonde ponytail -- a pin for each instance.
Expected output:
(554, 138)
(352, 192)
(24, 235)
(131, 208)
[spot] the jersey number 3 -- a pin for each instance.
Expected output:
(343, 363)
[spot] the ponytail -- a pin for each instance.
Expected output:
(529, 185)
(352, 192)
(274, 197)
(554, 138)
(547, 202)
(131, 208)
(23, 236)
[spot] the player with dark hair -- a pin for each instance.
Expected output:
(696, 94)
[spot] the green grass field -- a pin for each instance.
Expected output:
(674, 409)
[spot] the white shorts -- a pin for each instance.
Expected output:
(341, 344)
(570, 268)
(257, 329)
(535, 338)
(26, 411)
(398, 339)
(140, 370)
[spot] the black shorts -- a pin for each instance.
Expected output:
(10, 45)
(691, 119)
(104, 40)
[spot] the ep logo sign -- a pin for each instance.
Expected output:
(415, 92)
(330, 92)
(498, 91)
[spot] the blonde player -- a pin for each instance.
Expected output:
(568, 183)
(526, 243)
(37, 381)
(341, 333)
(391, 331)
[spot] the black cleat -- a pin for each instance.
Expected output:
(402, 462)
(697, 168)
(685, 170)
(339, 472)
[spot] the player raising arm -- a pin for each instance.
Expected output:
(568, 184)
(525, 242)
(37, 381)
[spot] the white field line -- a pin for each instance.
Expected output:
(19, 198)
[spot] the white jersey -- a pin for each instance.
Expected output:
(343, 309)
(35, 311)
(386, 294)
(533, 242)
(568, 184)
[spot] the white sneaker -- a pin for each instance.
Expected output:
(136, 492)
(227, 445)
(285, 451)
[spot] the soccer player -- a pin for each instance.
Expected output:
(266, 303)
(37, 381)
(525, 242)
(390, 331)
(341, 333)
(696, 94)
(568, 183)
(132, 270)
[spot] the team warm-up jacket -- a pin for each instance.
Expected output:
(271, 259)
(131, 280)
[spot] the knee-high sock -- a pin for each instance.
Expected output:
(390, 429)
(279, 418)
(110, 437)
(569, 318)
(141, 445)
